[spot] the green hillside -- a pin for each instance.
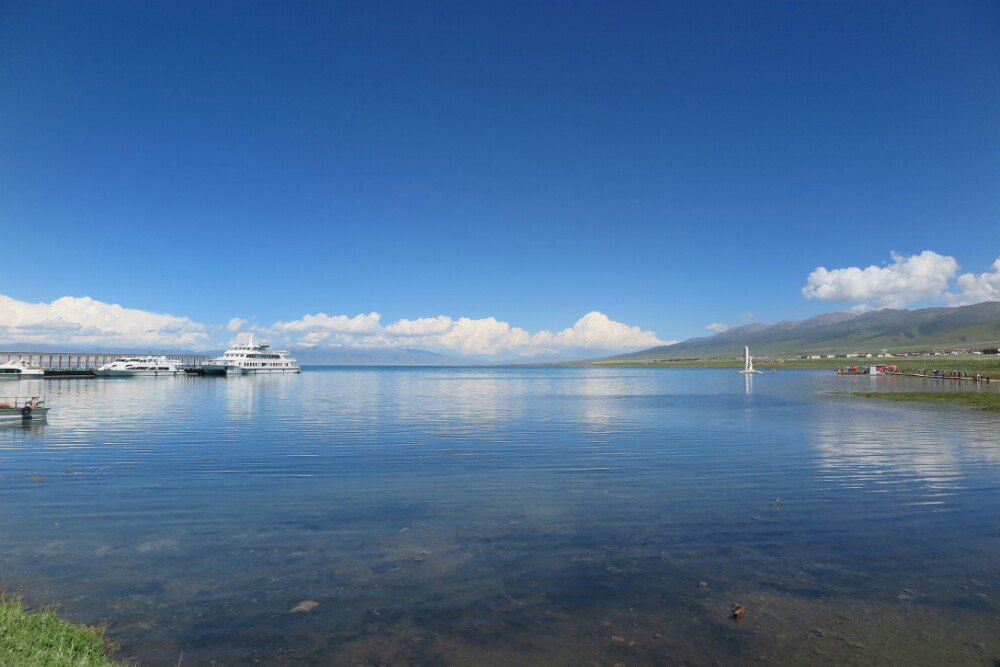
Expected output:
(973, 326)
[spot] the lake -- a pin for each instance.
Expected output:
(509, 516)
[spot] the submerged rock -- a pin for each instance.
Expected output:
(304, 607)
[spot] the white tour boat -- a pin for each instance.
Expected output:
(18, 368)
(132, 366)
(250, 359)
(22, 409)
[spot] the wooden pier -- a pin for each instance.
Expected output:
(74, 363)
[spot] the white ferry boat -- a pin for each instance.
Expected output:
(22, 409)
(132, 366)
(250, 359)
(18, 368)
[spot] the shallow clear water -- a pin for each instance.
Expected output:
(509, 516)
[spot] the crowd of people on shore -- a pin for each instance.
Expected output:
(954, 375)
(891, 369)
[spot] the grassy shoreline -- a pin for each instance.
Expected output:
(41, 638)
(988, 401)
(974, 363)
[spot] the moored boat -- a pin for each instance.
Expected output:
(250, 359)
(23, 408)
(144, 365)
(19, 368)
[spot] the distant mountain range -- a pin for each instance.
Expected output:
(897, 330)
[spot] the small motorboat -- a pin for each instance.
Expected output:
(23, 408)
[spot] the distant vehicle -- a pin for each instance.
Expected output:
(249, 359)
(22, 409)
(17, 369)
(133, 366)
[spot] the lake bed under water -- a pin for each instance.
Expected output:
(509, 516)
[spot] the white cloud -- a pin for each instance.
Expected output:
(923, 277)
(977, 288)
(484, 336)
(331, 324)
(236, 324)
(597, 331)
(717, 327)
(420, 327)
(313, 338)
(85, 321)
(464, 335)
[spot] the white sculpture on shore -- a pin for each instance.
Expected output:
(748, 362)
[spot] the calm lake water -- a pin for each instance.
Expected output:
(509, 516)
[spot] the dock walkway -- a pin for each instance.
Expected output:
(82, 364)
(982, 380)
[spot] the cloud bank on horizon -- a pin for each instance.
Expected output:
(923, 278)
(86, 321)
(467, 336)
(82, 320)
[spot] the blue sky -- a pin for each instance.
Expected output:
(668, 165)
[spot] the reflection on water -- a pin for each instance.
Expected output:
(937, 460)
(508, 516)
(14, 432)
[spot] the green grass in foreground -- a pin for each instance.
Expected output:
(989, 401)
(42, 639)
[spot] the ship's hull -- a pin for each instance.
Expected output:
(265, 371)
(14, 414)
(209, 369)
(236, 370)
(213, 369)
(130, 373)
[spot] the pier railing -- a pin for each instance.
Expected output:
(21, 401)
